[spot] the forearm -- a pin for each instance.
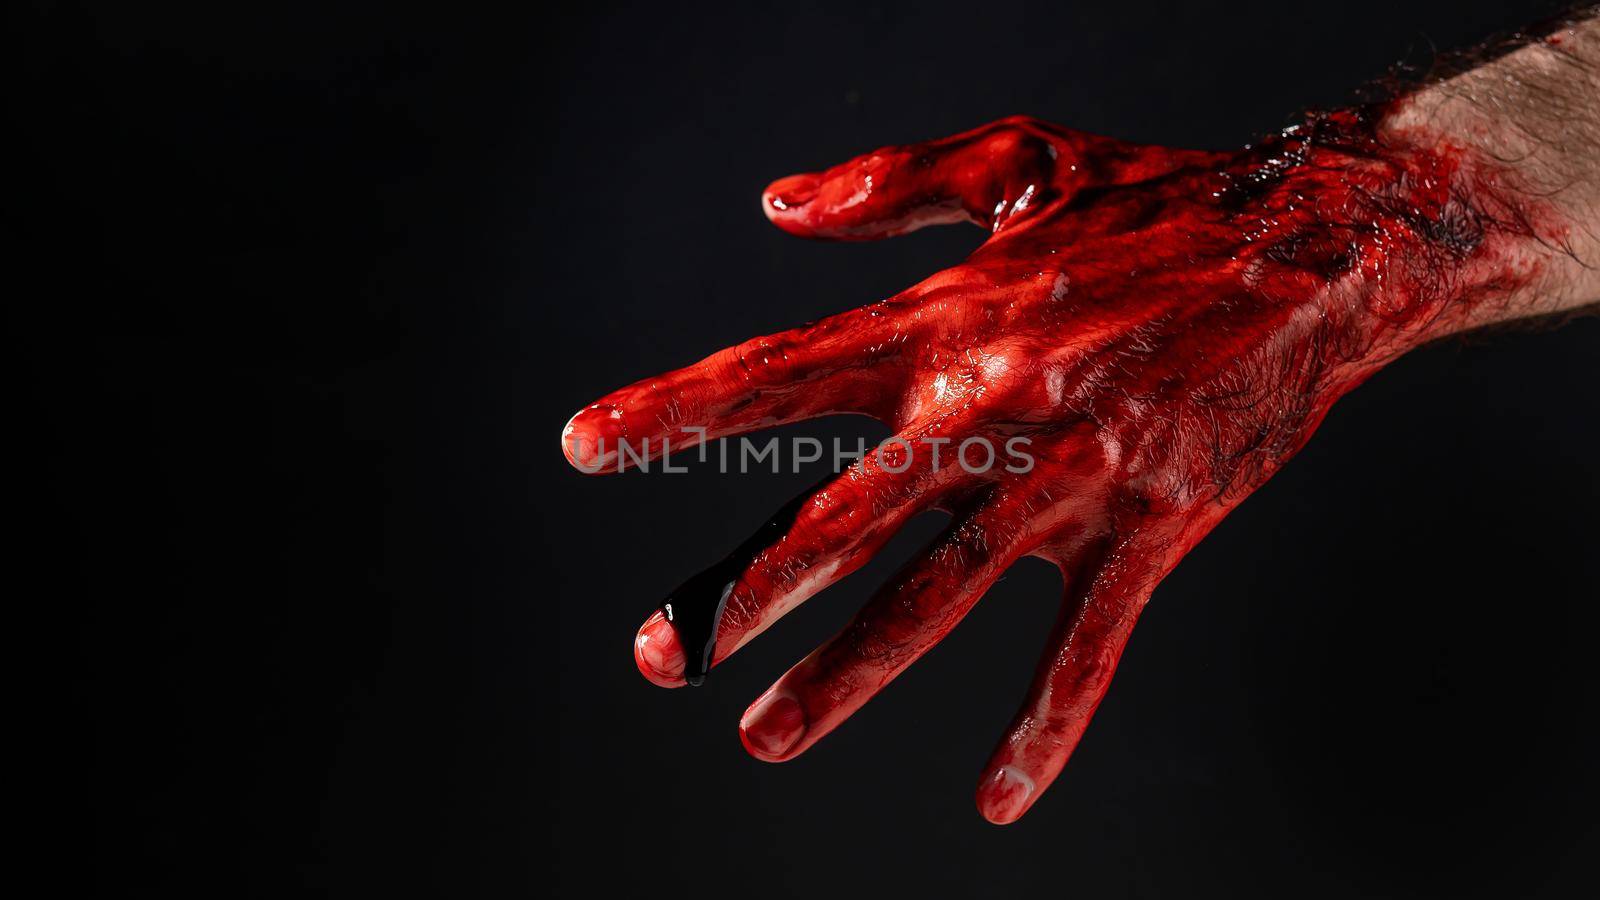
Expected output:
(1525, 128)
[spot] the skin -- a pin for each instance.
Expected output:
(1166, 327)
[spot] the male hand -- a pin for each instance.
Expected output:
(1165, 329)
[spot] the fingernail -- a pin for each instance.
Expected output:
(658, 653)
(772, 726)
(787, 194)
(591, 438)
(1004, 796)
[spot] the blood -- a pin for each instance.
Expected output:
(696, 607)
(1168, 326)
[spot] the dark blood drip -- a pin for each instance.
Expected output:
(695, 608)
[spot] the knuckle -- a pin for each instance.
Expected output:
(1093, 670)
(1028, 154)
(741, 613)
(761, 360)
(1020, 121)
(828, 517)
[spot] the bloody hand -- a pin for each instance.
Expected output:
(1165, 327)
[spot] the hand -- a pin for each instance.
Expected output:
(1165, 328)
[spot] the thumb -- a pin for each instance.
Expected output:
(988, 176)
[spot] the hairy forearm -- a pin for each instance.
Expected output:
(1525, 127)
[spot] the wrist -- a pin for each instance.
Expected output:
(1517, 144)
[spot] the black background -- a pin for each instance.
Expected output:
(304, 295)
